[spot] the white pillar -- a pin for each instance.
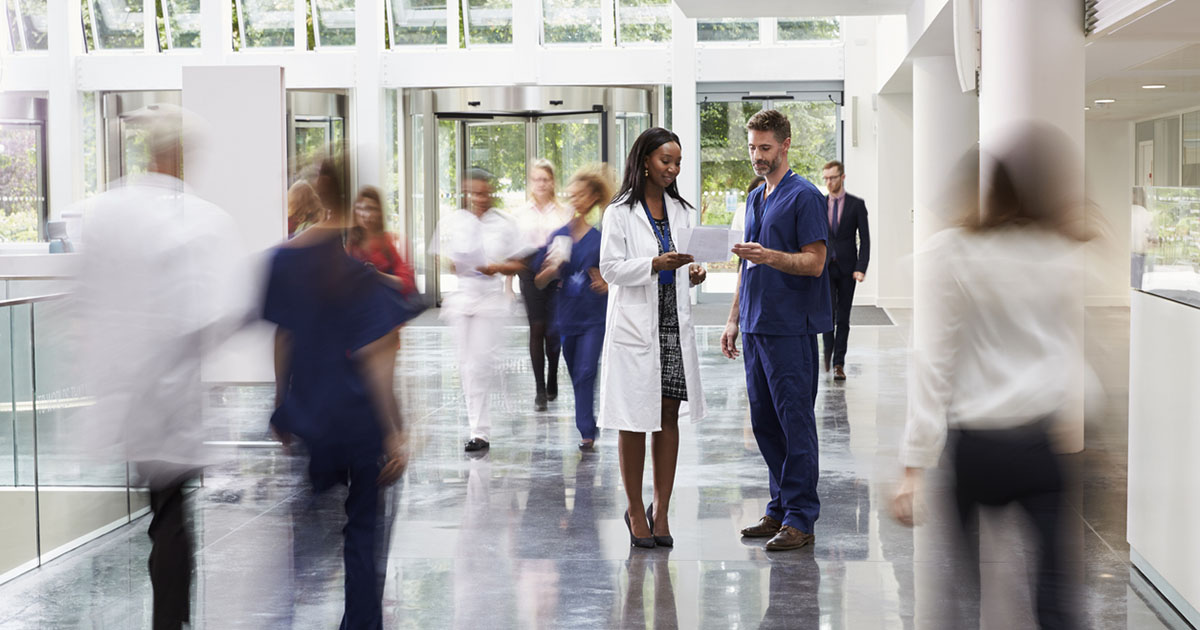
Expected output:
(1032, 70)
(64, 130)
(893, 240)
(369, 147)
(685, 118)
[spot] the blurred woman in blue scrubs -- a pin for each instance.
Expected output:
(572, 258)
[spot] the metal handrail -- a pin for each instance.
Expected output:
(32, 299)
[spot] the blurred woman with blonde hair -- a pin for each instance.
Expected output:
(304, 208)
(571, 259)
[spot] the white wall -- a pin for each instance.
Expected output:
(893, 234)
(1164, 437)
(858, 33)
(1108, 164)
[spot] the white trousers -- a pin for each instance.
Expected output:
(478, 341)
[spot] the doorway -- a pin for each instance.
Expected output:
(504, 131)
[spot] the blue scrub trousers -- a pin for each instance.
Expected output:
(582, 353)
(781, 381)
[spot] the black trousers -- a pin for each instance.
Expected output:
(841, 292)
(171, 562)
(1002, 466)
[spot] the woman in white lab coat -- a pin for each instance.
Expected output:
(649, 363)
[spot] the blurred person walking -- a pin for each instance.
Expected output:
(995, 356)
(539, 219)
(483, 245)
(158, 291)
(849, 252)
(335, 356)
(370, 242)
(781, 305)
(649, 358)
(572, 258)
(304, 208)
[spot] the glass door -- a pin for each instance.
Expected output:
(22, 179)
(569, 142)
(725, 171)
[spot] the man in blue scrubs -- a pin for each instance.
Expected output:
(781, 305)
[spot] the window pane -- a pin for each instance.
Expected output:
(21, 195)
(725, 169)
(569, 144)
(268, 23)
(27, 24)
(817, 29)
(640, 21)
(118, 24)
(571, 21)
(1191, 149)
(183, 23)
(488, 21)
(335, 22)
(727, 30)
(417, 22)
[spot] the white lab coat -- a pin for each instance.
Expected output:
(631, 372)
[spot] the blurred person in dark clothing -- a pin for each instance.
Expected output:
(995, 356)
(335, 354)
(159, 288)
(849, 250)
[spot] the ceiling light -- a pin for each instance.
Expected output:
(1086, 108)
(1105, 101)
(1153, 86)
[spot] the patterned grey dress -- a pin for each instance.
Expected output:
(674, 382)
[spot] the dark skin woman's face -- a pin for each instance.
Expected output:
(663, 164)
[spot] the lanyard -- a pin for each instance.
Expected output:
(664, 238)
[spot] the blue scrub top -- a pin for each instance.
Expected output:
(772, 302)
(579, 309)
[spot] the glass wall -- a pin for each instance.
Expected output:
(418, 22)
(180, 23)
(1191, 149)
(643, 21)
(1159, 152)
(487, 21)
(22, 186)
(334, 22)
(1165, 242)
(571, 21)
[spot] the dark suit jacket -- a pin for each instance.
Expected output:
(850, 256)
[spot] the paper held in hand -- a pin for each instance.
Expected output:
(709, 244)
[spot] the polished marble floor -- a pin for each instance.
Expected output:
(531, 536)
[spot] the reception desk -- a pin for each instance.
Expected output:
(1164, 448)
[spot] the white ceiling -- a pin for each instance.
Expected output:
(1161, 46)
(790, 8)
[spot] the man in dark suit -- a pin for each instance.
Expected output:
(848, 256)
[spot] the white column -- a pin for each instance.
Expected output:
(1032, 70)
(527, 40)
(64, 141)
(892, 235)
(685, 119)
(369, 137)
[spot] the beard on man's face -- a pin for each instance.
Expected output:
(762, 167)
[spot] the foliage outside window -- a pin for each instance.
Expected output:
(569, 145)
(267, 23)
(418, 22)
(21, 197)
(727, 30)
(117, 24)
(179, 23)
(571, 21)
(815, 29)
(643, 21)
(488, 21)
(27, 24)
(335, 22)
(499, 148)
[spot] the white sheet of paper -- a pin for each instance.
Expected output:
(707, 244)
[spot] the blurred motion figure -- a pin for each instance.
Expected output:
(158, 289)
(995, 355)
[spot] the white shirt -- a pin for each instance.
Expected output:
(538, 223)
(996, 338)
(470, 242)
(163, 281)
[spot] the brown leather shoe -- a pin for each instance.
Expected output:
(789, 538)
(765, 528)
(838, 373)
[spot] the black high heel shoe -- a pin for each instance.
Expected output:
(634, 541)
(661, 541)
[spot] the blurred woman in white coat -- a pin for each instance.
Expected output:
(649, 363)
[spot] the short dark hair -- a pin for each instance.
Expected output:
(771, 120)
(477, 174)
(834, 164)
